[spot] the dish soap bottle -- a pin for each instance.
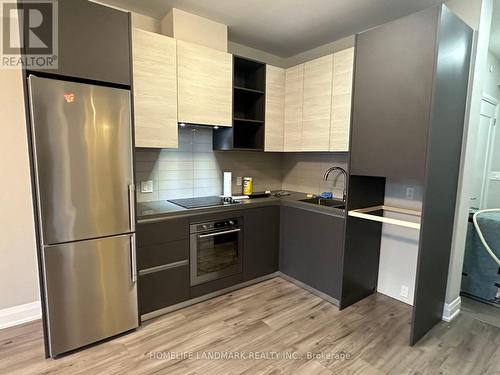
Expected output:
(247, 185)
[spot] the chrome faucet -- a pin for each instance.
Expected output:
(340, 170)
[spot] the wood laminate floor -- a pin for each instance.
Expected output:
(481, 311)
(273, 316)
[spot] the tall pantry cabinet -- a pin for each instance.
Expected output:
(410, 91)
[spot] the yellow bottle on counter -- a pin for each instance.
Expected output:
(247, 185)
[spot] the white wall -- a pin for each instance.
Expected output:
(325, 49)
(139, 21)
(18, 266)
(268, 58)
(467, 10)
(255, 54)
(143, 22)
(491, 75)
(399, 245)
(189, 27)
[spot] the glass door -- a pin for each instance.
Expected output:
(216, 254)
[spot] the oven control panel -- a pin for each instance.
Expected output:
(215, 225)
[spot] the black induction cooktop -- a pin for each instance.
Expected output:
(203, 202)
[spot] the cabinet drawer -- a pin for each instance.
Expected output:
(217, 216)
(216, 285)
(157, 255)
(161, 289)
(163, 231)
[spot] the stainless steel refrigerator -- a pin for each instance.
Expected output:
(83, 169)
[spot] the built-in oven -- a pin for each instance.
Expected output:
(216, 249)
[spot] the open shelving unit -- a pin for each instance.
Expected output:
(247, 132)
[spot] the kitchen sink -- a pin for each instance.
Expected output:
(325, 202)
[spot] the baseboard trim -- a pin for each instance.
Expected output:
(451, 310)
(166, 310)
(205, 297)
(20, 314)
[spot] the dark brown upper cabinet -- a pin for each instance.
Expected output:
(93, 43)
(393, 86)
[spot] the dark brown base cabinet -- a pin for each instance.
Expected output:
(161, 289)
(163, 256)
(163, 263)
(262, 228)
(311, 249)
(303, 244)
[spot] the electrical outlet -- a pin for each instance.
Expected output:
(238, 181)
(404, 291)
(495, 176)
(410, 192)
(147, 186)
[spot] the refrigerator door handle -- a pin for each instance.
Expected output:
(133, 258)
(131, 200)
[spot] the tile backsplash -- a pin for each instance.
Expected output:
(304, 172)
(195, 170)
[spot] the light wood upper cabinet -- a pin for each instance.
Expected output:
(343, 68)
(155, 90)
(294, 92)
(275, 108)
(317, 104)
(204, 85)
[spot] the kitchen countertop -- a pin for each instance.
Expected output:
(165, 209)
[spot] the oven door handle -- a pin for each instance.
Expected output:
(219, 233)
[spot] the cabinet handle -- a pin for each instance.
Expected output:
(131, 202)
(218, 233)
(164, 267)
(133, 258)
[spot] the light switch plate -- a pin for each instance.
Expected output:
(147, 186)
(238, 181)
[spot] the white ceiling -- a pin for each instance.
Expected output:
(495, 30)
(285, 27)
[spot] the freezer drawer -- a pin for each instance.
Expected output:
(91, 291)
(82, 141)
